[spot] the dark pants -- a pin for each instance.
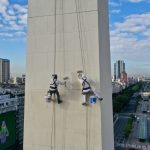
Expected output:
(57, 93)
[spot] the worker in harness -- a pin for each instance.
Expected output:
(87, 89)
(53, 89)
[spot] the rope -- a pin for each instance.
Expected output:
(54, 124)
(87, 133)
(90, 112)
(78, 8)
(64, 55)
(83, 37)
(63, 36)
(94, 126)
(55, 37)
(55, 47)
(52, 121)
(80, 35)
(53, 131)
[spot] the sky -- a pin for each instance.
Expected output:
(13, 31)
(129, 34)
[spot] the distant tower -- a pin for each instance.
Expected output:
(119, 67)
(124, 77)
(65, 36)
(4, 70)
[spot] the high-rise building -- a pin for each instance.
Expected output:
(4, 70)
(124, 77)
(119, 67)
(12, 116)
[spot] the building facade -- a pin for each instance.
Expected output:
(4, 70)
(20, 122)
(12, 115)
(119, 67)
(65, 37)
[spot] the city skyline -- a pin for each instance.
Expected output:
(129, 34)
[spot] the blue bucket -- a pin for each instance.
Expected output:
(92, 99)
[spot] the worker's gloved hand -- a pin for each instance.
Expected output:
(80, 73)
(80, 76)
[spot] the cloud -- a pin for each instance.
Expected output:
(13, 19)
(130, 39)
(22, 19)
(114, 4)
(20, 9)
(134, 23)
(135, 1)
(6, 34)
(115, 11)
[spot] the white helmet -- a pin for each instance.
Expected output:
(84, 77)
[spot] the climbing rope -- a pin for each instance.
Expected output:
(53, 128)
(94, 127)
(81, 21)
(83, 36)
(89, 131)
(87, 127)
(63, 36)
(55, 36)
(64, 63)
(55, 48)
(80, 35)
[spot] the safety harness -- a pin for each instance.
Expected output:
(53, 86)
(83, 84)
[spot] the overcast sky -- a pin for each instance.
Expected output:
(129, 34)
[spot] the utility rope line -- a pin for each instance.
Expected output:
(87, 126)
(80, 34)
(63, 36)
(90, 127)
(80, 30)
(83, 35)
(52, 130)
(54, 124)
(94, 127)
(64, 63)
(81, 21)
(55, 47)
(55, 32)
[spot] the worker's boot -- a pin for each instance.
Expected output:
(60, 101)
(49, 98)
(84, 104)
(100, 98)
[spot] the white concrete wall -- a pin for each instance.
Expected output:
(76, 127)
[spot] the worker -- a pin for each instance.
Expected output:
(87, 89)
(53, 89)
